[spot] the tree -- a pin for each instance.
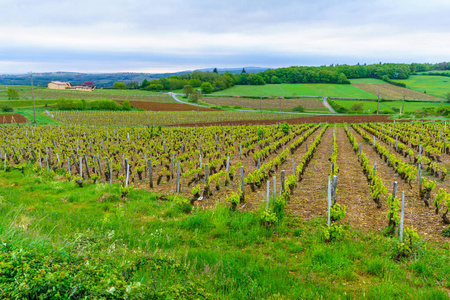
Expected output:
(275, 80)
(342, 79)
(448, 97)
(195, 82)
(243, 71)
(188, 90)
(13, 94)
(206, 88)
(132, 85)
(145, 84)
(254, 79)
(195, 96)
(215, 71)
(119, 85)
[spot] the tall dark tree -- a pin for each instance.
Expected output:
(243, 71)
(215, 71)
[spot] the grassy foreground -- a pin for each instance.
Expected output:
(59, 241)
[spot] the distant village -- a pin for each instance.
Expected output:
(60, 85)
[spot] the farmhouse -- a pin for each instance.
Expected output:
(59, 85)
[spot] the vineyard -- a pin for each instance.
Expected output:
(241, 164)
(157, 118)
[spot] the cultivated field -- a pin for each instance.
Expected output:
(148, 118)
(42, 93)
(280, 90)
(186, 207)
(437, 86)
(389, 91)
(155, 118)
(371, 106)
(309, 104)
(158, 106)
(123, 155)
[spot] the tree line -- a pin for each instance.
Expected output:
(208, 82)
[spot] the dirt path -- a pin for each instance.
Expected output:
(353, 188)
(309, 198)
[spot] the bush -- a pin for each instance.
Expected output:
(298, 108)
(206, 88)
(126, 105)
(104, 105)
(64, 104)
(13, 94)
(358, 107)
(6, 108)
(338, 108)
(388, 80)
(443, 111)
(119, 85)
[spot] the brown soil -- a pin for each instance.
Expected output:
(314, 119)
(389, 91)
(158, 106)
(12, 119)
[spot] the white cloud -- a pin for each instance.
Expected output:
(213, 31)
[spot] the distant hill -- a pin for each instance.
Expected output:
(103, 79)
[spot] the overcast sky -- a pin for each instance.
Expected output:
(175, 35)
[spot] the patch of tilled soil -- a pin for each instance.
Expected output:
(158, 106)
(12, 119)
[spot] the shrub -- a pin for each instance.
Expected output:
(126, 105)
(6, 108)
(357, 107)
(285, 128)
(119, 85)
(13, 94)
(64, 104)
(268, 219)
(206, 88)
(104, 105)
(337, 107)
(298, 108)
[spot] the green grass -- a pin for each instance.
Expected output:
(437, 71)
(366, 81)
(433, 85)
(329, 90)
(28, 103)
(174, 254)
(387, 105)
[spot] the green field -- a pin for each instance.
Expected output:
(366, 81)
(434, 85)
(94, 244)
(371, 106)
(278, 90)
(437, 71)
